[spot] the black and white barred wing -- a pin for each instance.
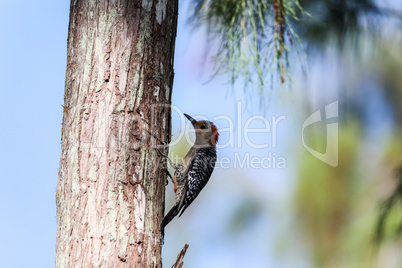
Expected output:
(198, 176)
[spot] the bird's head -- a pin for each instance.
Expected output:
(205, 132)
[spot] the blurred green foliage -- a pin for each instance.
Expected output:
(389, 222)
(257, 36)
(325, 196)
(339, 208)
(335, 20)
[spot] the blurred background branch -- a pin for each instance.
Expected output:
(390, 219)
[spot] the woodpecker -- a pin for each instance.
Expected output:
(193, 173)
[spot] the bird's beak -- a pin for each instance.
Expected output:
(192, 120)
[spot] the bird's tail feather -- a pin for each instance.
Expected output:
(171, 214)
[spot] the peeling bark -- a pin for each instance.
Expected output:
(119, 78)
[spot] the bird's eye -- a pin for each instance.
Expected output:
(203, 127)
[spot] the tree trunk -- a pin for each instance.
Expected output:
(110, 192)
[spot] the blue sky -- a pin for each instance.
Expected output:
(33, 38)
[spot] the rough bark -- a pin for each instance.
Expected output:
(110, 193)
